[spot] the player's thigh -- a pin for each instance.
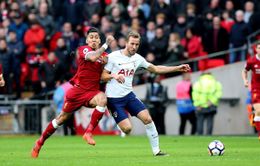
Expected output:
(257, 108)
(99, 99)
(117, 109)
(144, 116)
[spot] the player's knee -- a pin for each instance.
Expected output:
(102, 100)
(126, 129)
(147, 120)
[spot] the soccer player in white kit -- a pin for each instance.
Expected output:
(119, 73)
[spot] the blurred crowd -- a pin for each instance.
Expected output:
(38, 36)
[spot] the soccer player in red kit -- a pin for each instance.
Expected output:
(2, 81)
(253, 64)
(85, 90)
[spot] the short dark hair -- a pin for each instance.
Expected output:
(91, 30)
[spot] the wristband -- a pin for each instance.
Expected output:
(105, 46)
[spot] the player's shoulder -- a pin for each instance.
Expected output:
(114, 54)
(84, 47)
(251, 59)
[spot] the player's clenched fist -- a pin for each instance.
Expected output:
(109, 39)
(184, 68)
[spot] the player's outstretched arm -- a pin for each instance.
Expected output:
(94, 55)
(106, 76)
(244, 77)
(168, 69)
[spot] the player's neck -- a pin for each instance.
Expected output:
(125, 53)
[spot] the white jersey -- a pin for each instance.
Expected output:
(122, 64)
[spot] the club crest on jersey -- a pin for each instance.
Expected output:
(126, 72)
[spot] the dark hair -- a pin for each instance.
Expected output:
(92, 30)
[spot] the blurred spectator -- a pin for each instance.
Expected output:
(214, 7)
(216, 38)
(49, 73)
(161, 22)
(207, 21)
(178, 6)
(46, 20)
(3, 33)
(230, 8)
(193, 47)
(150, 57)
(28, 6)
(90, 7)
(106, 24)
(150, 32)
(227, 21)
(249, 10)
(193, 19)
(72, 12)
(17, 51)
(116, 19)
(114, 3)
(175, 51)
(6, 61)
(18, 25)
(184, 103)
(71, 38)
(121, 42)
(135, 12)
(33, 36)
(95, 20)
(137, 26)
(56, 9)
(3, 11)
(145, 8)
(157, 98)
(34, 59)
(159, 45)
(254, 22)
(238, 37)
(206, 93)
(181, 26)
(160, 6)
(63, 55)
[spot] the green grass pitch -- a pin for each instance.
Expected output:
(129, 151)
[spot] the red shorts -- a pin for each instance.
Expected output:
(77, 97)
(255, 94)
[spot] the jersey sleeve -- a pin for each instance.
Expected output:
(110, 64)
(143, 63)
(83, 50)
(248, 65)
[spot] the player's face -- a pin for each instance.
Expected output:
(258, 49)
(132, 45)
(93, 40)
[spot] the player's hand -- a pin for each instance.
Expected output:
(246, 83)
(2, 82)
(119, 77)
(109, 39)
(103, 59)
(184, 68)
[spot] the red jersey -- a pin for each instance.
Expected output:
(253, 64)
(88, 73)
